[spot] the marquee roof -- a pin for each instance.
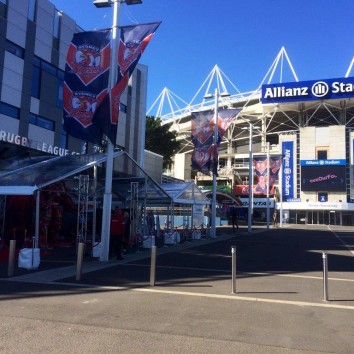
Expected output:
(27, 175)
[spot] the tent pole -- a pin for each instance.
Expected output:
(38, 193)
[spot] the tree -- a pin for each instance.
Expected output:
(160, 140)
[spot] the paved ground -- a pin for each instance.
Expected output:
(278, 308)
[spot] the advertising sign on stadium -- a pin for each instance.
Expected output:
(287, 170)
(323, 178)
(308, 90)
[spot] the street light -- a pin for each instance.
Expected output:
(250, 176)
(107, 197)
(108, 3)
(215, 141)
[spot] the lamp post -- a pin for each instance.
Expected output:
(281, 194)
(250, 176)
(107, 198)
(268, 182)
(215, 142)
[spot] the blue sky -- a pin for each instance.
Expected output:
(242, 37)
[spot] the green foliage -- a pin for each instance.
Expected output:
(160, 140)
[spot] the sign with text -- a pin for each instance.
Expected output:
(308, 90)
(288, 170)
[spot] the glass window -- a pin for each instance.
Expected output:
(49, 68)
(15, 49)
(9, 110)
(41, 122)
(122, 107)
(3, 8)
(60, 93)
(31, 10)
(32, 119)
(322, 154)
(45, 123)
(56, 25)
(63, 139)
(38, 66)
(36, 81)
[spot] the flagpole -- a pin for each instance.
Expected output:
(213, 202)
(107, 198)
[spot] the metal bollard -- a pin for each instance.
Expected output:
(233, 281)
(12, 249)
(153, 266)
(80, 254)
(325, 276)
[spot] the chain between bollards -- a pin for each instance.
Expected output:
(325, 276)
(233, 280)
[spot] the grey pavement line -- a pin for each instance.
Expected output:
(246, 273)
(350, 249)
(233, 297)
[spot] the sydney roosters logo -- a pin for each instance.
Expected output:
(81, 105)
(201, 155)
(130, 52)
(88, 61)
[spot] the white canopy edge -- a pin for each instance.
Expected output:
(17, 190)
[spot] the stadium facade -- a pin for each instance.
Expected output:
(308, 124)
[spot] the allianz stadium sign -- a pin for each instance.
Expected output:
(308, 90)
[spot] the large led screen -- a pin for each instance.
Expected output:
(323, 178)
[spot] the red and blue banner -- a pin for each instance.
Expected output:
(205, 155)
(260, 168)
(133, 41)
(85, 83)
(91, 110)
(225, 118)
(260, 164)
(202, 128)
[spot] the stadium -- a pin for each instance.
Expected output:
(302, 128)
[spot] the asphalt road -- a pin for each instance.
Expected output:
(278, 306)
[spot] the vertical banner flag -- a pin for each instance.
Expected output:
(133, 41)
(202, 138)
(202, 128)
(205, 155)
(201, 158)
(260, 168)
(287, 170)
(351, 149)
(85, 82)
(225, 118)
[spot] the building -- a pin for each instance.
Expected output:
(34, 39)
(306, 127)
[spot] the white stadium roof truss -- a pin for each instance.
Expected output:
(274, 119)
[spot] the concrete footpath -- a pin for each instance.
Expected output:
(278, 306)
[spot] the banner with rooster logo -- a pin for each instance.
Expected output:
(85, 83)
(90, 108)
